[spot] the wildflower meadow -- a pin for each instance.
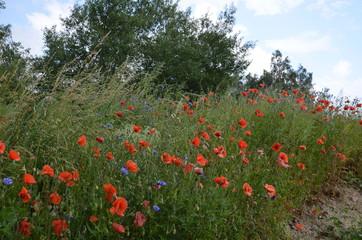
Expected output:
(145, 161)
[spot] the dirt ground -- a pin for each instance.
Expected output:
(335, 214)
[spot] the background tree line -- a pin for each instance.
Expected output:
(199, 54)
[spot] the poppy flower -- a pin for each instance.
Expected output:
(82, 141)
(132, 166)
(137, 129)
(301, 165)
(333, 148)
(242, 144)
(65, 176)
(25, 196)
(261, 85)
(282, 114)
(205, 136)
(29, 179)
(360, 122)
(99, 139)
(299, 226)
(200, 159)
(60, 226)
(232, 139)
(320, 141)
(283, 157)
(217, 134)
(245, 160)
(110, 156)
(285, 93)
(75, 175)
(146, 203)
(209, 127)
(70, 183)
(111, 191)
(118, 228)
(242, 123)
(13, 155)
(24, 227)
(196, 141)
(247, 132)
(221, 181)
(119, 114)
(143, 144)
(232, 128)
(220, 151)
(47, 170)
(119, 206)
(131, 108)
(55, 198)
(123, 102)
(93, 219)
(270, 189)
(276, 147)
(152, 131)
(201, 120)
(139, 220)
(302, 147)
(2, 147)
(247, 189)
(188, 168)
(244, 93)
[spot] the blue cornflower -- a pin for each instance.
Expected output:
(109, 124)
(98, 112)
(162, 183)
(154, 151)
(68, 217)
(185, 156)
(159, 98)
(162, 86)
(120, 138)
(105, 126)
(8, 181)
(124, 171)
(172, 78)
(202, 175)
(156, 208)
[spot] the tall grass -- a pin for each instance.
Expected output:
(45, 129)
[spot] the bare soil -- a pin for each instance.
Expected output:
(336, 213)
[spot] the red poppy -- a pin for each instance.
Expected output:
(118, 228)
(143, 144)
(247, 189)
(201, 160)
(245, 160)
(65, 176)
(282, 114)
(201, 120)
(244, 93)
(47, 170)
(93, 219)
(242, 144)
(360, 122)
(185, 107)
(302, 147)
(276, 147)
(137, 129)
(82, 141)
(196, 141)
(119, 206)
(24, 227)
(205, 136)
(270, 189)
(70, 183)
(139, 220)
(99, 139)
(123, 102)
(242, 123)
(220, 151)
(301, 165)
(188, 168)
(152, 131)
(283, 157)
(119, 114)
(55, 198)
(166, 158)
(262, 85)
(132, 166)
(111, 191)
(131, 108)
(247, 132)
(25, 196)
(146, 203)
(217, 134)
(13, 155)
(60, 226)
(2, 147)
(29, 179)
(110, 156)
(221, 181)
(320, 141)
(299, 226)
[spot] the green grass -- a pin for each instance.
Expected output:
(45, 131)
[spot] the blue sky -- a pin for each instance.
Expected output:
(322, 35)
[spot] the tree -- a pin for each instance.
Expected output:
(197, 53)
(282, 75)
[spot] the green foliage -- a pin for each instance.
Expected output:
(196, 53)
(44, 129)
(282, 76)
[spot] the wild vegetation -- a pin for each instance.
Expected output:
(151, 144)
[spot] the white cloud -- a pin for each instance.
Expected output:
(271, 7)
(305, 43)
(342, 68)
(329, 8)
(31, 35)
(339, 86)
(260, 60)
